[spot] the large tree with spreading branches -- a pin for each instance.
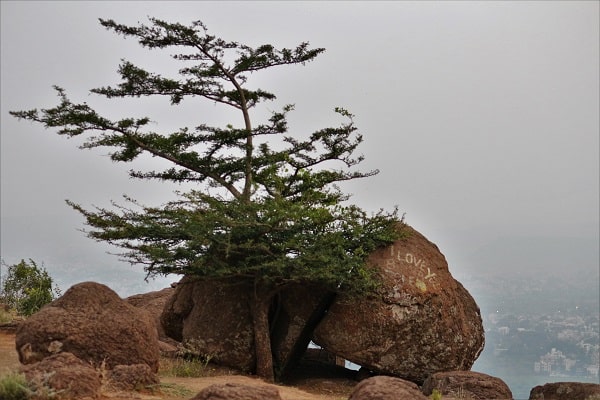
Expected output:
(263, 207)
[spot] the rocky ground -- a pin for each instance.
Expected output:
(308, 384)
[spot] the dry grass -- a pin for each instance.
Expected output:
(184, 368)
(174, 387)
(13, 386)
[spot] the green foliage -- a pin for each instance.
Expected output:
(185, 368)
(436, 395)
(266, 207)
(272, 215)
(14, 386)
(189, 363)
(6, 316)
(275, 240)
(26, 287)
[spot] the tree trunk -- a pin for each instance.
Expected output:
(303, 339)
(262, 336)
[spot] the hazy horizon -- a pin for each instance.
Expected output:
(481, 116)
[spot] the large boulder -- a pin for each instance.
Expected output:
(63, 374)
(212, 319)
(92, 322)
(566, 391)
(386, 388)
(420, 321)
(154, 303)
(467, 384)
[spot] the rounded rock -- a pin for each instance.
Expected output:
(92, 322)
(386, 388)
(420, 321)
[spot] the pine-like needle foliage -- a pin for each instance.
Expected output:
(267, 215)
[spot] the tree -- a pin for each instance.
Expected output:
(27, 287)
(258, 213)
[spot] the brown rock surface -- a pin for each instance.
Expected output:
(154, 303)
(386, 388)
(468, 384)
(566, 391)
(95, 324)
(212, 319)
(64, 374)
(168, 349)
(237, 391)
(177, 308)
(422, 320)
(132, 377)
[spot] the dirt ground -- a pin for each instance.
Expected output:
(9, 360)
(311, 382)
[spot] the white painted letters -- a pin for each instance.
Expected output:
(421, 277)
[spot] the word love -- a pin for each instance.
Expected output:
(411, 259)
(417, 265)
(418, 262)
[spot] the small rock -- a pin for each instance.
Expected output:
(566, 391)
(55, 347)
(236, 391)
(132, 377)
(467, 384)
(167, 349)
(65, 375)
(386, 388)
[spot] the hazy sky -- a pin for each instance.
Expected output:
(483, 117)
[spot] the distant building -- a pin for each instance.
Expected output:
(504, 330)
(569, 364)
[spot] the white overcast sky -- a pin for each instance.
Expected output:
(483, 117)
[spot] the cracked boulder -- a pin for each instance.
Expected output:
(420, 321)
(212, 319)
